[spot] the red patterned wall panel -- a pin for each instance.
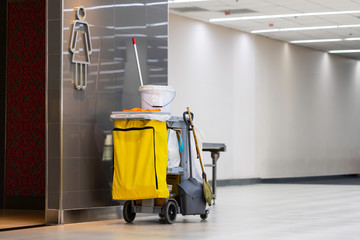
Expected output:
(25, 132)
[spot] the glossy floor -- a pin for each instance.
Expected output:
(10, 218)
(262, 211)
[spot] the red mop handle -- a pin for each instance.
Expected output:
(137, 61)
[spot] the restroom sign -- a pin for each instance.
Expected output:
(80, 46)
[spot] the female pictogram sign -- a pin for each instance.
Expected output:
(80, 46)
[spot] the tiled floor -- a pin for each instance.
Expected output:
(262, 211)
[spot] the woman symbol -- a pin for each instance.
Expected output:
(80, 46)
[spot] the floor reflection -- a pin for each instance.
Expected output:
(16, 218)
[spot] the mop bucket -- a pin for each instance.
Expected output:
(156, 96)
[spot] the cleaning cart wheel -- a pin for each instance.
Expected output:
(170, 212)
(204, 216)
(128, 215)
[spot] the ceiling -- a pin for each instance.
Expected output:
(339, 23)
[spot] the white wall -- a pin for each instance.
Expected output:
(281, 109)
(212, 70)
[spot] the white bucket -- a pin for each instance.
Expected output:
(155, 96)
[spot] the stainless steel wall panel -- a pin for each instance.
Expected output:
(53, 143)
(54, 11)
(71, 137)
(54, 63)
(70, 13)
(67, 74)
(113, 83)
(53, 199)
(71, 179)
(54, 37)
(70, 4)
(91, 175)
(102, 43)
(97, 198)
(131, 20)
(99, 12)
(53, 180)
(107, 102)
(71, 102)
(157, 61)
(91, 141)
(54, 174)
(87, 109)
(53, 106)
(70, 199)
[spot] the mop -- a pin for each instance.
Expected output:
(206, 186)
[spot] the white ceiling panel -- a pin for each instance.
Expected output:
(217, 8)
(341, 19)
(270, 10)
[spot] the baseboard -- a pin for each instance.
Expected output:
(54, 216)
(236, 182)
(309, 179)
(92, 214)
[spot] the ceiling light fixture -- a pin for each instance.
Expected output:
(292, 29)
(317, 40)
(324, 40)
(304, 28)
(345, 51)
(351, 39)
(282, 16)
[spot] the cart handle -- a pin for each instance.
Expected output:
(187, 119)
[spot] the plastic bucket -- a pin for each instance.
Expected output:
(156, 96)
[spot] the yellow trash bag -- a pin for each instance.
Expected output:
(140, 159)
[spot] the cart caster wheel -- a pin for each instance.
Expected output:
(161, 216)
(170, 212)
(128, 215)
(204, 216)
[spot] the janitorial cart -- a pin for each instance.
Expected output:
(141, 175)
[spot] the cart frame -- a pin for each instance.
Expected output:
(171, 206)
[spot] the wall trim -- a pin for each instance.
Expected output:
(56, 217)
(52, 216)
(92, 214)
(236, 182)
(309, 179)
(291, 180)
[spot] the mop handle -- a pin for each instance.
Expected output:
(137, 61)
(196, 143)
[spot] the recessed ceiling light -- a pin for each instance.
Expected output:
(293, 29)
(317, 40)
(345, 51)
(304, 28)
(325, 40)
(349, 26)
(351, 39)
(282, 16)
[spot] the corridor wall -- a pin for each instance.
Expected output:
(283, 110)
